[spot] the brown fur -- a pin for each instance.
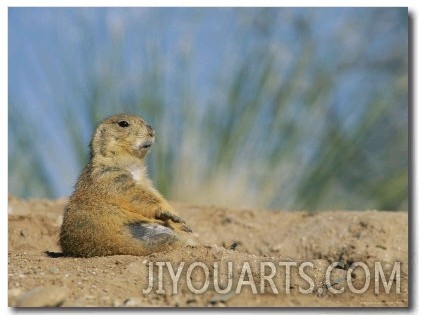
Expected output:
(114, 191)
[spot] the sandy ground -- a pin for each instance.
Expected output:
(293, 249)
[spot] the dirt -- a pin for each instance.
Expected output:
(298, 246)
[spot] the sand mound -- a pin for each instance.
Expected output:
(280, 259)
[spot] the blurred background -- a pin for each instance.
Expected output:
(276, 108)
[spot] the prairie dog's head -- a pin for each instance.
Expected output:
(122, 135)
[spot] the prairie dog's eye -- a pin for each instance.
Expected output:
(123, 124)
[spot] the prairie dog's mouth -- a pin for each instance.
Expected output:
(144, 145)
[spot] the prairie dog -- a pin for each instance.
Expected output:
(115, 209)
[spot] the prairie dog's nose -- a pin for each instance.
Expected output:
(151, 131)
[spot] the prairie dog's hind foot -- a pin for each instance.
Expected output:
(156, 236)
(152, 235)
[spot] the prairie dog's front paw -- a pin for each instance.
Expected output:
(176, 222)
(186, 228)
(181, 226)
(167, 215)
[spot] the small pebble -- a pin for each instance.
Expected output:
(53, 269)
(132, 302)
(13, 294)
(221, 297)
(51, 296)
(276, 248)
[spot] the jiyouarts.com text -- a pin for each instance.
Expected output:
(238, 278)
